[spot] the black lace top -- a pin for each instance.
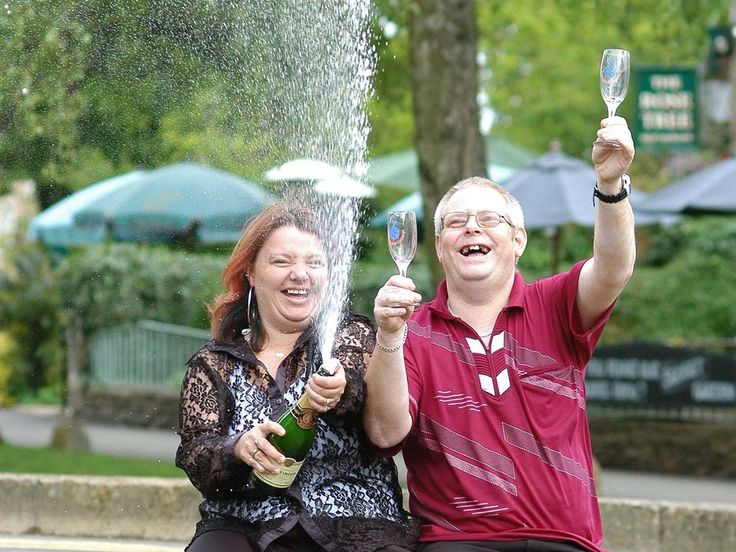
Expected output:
(346, 496)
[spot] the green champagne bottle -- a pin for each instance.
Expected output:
(300, 423)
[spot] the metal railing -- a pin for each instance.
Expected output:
(146, 354)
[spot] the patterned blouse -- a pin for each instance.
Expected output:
(346, 496)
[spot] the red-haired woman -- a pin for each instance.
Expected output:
(263, 356)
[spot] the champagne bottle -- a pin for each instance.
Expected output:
(300, 423)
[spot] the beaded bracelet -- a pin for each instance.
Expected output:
(395, 347)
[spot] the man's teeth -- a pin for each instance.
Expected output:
(467, 250)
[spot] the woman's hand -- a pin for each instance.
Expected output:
(254, 449)
(324, 392)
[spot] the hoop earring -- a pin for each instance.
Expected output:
(248, 306)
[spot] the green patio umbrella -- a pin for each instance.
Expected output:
(162, 205)
(400, 169)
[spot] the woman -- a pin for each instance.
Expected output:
(262, 358)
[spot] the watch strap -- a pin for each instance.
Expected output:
(623, 194)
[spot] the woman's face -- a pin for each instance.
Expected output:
(288, 276)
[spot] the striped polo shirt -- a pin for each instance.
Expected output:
(500, 448)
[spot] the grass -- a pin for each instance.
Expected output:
(63, 462)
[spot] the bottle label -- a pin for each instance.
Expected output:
(285, 477)
(306, 417)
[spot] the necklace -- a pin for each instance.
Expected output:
(278, 354)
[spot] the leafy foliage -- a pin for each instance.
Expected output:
(102, 286)
(685, 286)
(30, 318)
(93, 88)
(544, 59)
(114, 284)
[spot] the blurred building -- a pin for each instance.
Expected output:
(16, 210)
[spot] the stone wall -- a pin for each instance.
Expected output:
(166, 509)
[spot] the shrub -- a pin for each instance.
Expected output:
(113, 284)
(8, 358)
(30, 315)
(102, 285)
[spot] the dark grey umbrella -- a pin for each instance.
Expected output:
(557, 189)
(554, 190)
(709, 190)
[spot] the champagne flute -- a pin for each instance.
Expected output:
(615, 69)
(402, 238)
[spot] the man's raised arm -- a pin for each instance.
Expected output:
(614, 250)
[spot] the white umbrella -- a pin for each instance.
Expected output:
(344, 186)
(303, 169)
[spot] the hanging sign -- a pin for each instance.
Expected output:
(666, 109)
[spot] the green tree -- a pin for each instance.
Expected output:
(544, 58)
(44, 53)
(92, 88)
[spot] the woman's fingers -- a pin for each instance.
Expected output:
(254, 448)
(324, 392)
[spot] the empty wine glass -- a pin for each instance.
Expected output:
(615, 69)
(402, 238)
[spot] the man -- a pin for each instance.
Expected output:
(487, 400)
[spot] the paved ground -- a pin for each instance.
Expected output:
(59, 544)
(33, 427)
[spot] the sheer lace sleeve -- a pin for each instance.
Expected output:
(353, 348)
(206, 452)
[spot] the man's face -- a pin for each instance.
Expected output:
(473, 252)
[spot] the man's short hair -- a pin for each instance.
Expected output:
(515, 214)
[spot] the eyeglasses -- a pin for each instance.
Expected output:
(485, 219)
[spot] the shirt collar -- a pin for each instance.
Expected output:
(516, 297)
(243, 351)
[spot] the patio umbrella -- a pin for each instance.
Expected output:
(554, 190)
(709, 190)
(162, 205)
(344, 186)
(400, 169)
(55, 226)
(305, 175)
(557, 189)
(303, 170)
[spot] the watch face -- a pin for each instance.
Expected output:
(626, 182)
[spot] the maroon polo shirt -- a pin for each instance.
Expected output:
(500, 448)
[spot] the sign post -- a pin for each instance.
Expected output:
(666, 108)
